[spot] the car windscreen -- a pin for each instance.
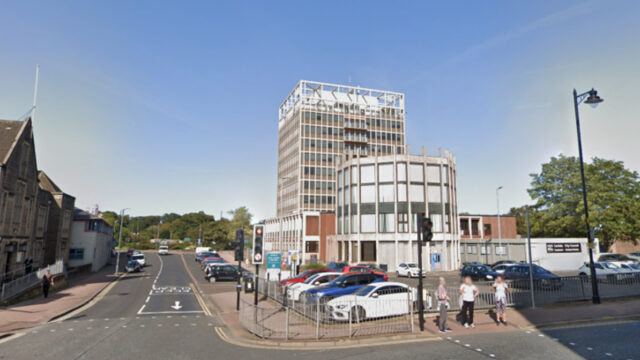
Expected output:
(132, 263)
(484, 268)
(365, 290)
(610, 266)
(412, 265)
(138, 257)
(339, 280)
(539, 270)
(164, 247)
(311, 279)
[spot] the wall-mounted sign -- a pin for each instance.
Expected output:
(564, 248)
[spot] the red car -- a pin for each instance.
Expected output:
(301, 277)
(363, 269)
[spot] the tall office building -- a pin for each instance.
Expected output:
(322, 123)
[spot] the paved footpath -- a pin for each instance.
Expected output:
(39, 310)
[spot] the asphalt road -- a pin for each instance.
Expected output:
(125, 325)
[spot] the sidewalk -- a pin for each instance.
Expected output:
(518, 319)
(38, 311)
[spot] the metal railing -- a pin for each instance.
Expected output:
(20, 285)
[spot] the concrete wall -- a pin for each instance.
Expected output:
(96, 245)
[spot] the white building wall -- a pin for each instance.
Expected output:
(96, 246)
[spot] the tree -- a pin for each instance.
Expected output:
(613, 196)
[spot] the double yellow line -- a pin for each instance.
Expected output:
(200, 300)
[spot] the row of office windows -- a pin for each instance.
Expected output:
(385, 173)
(320, 157)
(486, 249)
(389, 192)
(318, 171)
(319, 185)
(339, 120)
(319, 200)
(387, 223)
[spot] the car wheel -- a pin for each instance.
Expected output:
(358, 314)
(212, 280)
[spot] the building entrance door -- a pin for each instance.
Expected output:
(435, 262)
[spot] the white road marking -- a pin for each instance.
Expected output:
(541, 335)
(589, 348)
(528, 332)
(172, 312)
(479, 350)
(146, 301)
(467, 345)
(70, 329)
(106, 327)
(609, 354)
(176, 324)
(572, 344)
(159, 325)
(492, 355)
(140, 311)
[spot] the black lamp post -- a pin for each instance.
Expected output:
(590, 97)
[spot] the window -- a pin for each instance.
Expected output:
(354, 224)
(403, 222)
(354, 194)
(416, 172)
(501, 250)
(347, 197)
(368, 223)
(402, 192)
(367, 174)
(433, 174)
(367, 193)
(385, 173)
(487, 229)
(311, 246)
(485, 250)
(354, 174)
(475, 227)
(339, 225)
(340, 179)
(387, 223)
(416, 192)
(385, 192)
(402, 171)
(434, 193)
(340, 197)
(471, 249)
(76, 254)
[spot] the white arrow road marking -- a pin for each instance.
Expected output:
(177, 306)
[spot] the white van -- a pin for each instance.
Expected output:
(204, 249)
(163, 250)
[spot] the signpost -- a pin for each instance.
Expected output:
(273, 260)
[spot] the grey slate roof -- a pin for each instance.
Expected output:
(9, 132)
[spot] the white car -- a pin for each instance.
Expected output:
(163, 250)
(603, 269)
(633, 269)
(294, 290)
(139, 258)
(617, 259)
(634, 256)
(501, 268)
(375, 300)
(409, 270)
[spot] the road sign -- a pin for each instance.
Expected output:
(273, 260)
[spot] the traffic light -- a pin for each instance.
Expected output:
(427, 233)
(239, 245)
(258, 248)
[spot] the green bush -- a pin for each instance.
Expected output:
(312, 267)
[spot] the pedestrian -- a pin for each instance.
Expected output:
(443, 304)
(469, 293)
(47, 282)
(500, 288)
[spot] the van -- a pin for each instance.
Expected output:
(204, 249)
(163, 250)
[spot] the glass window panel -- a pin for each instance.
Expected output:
(354, 223)
(436, 219)
(433, 174)
(346, 176)
(402, 192)
(347, 197)
(416, 192)
(386, 173)
(340, 197)
(367, 174)
(387, 222)
(368, 223)
(354, 174)
(402, 171)
(354, 194)
(416, 172)
(367, 193)
(434, 193)
(386, 192)
(339, 224)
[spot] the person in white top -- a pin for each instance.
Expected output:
(500, 288)
(469, 293)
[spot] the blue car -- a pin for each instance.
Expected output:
(344, 285)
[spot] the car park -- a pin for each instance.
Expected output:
(343, 285)
(409, 270)
(479, 272)
(376, 300)
(163, 250)
(132, 266)
(319, 279)
(303, 276)
(139, 258)
(543, 278)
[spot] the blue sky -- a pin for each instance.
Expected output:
(172, 106)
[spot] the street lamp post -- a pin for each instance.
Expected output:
(590, 97)
(499, 223)
(119, 242)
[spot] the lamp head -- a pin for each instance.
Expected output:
(593, 98)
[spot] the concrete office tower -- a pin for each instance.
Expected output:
(319, 124)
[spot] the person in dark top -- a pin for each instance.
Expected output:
(47, 282)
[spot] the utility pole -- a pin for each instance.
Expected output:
(119, 242)
(419, 229)
(499, 222)
(533, 298)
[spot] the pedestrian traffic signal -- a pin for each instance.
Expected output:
(427, 227)
(239, 245)
(258, 248)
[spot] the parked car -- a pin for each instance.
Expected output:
(363, 269)
(634, 255)
(372, 267)
(204, 249)
(336, 266)
(343, 285)
(479, 272)
(132, 266)
(163, 250)
(301, 277)
(631, 269)
(139, 258)
(409, 270)
(222, 273)
(209, 261)
(203, 255)
(606, 270)
(504, 262)
(501, 268)
(544, 279)
(376, 300)
(617, 259)
(319, 279)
